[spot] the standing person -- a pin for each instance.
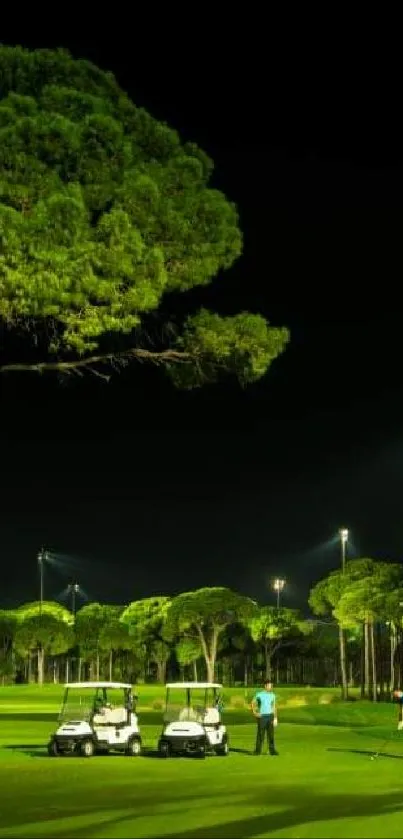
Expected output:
(264, 709)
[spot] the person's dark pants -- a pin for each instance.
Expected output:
(265, 728)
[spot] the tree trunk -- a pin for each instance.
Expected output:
(373, 661)
(195, 671)
(362, 667)
(161, 671)
(67, 671)
(380, 663)
(97, 666)
(209, 652)
(392, 657)
(110, 665)
(41, 665)
(210, 670)
(367, 665)
(343, 669)
(267, 661)
(80, 666)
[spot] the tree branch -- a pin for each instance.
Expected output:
(76, 365)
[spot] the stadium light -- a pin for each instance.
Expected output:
(343, 532)
(278, 586)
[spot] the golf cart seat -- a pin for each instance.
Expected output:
(117, 716)
(111, 716)
(211, 716)
(188, 715)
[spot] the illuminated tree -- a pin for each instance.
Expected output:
(89, 627)
(272, 629)
(367, 592)
(103, 213)
(44, 634)
(204, 614)
(8, 626)
(188, 651)
(145, 620)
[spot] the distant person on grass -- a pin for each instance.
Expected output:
(264, 709)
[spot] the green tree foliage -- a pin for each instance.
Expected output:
(146, 620)
(272, 628)
(366, 593)
(114, 636)
(8, 626)
(89, 627)
(103, 211)
(47, 607)
(371, 597)
(204, 614)
(188, 651)
(323, 600)
(45, 634)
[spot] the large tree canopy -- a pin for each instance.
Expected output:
(103, 211)
(203, 615)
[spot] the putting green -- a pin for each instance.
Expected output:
(323, 784)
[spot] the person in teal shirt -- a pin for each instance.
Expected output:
(264, 709)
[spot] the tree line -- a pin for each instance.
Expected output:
(352, 638)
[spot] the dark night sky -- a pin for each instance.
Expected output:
(146, 490)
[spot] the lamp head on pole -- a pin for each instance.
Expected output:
(278, 584)
(43, 556)
(343, 534)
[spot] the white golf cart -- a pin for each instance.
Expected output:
(192, 721)
(90, 723)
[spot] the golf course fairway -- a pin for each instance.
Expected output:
(323, 783)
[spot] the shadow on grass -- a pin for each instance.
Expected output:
(22, 747)
(29, 717)
(35, 750)
(39, 750)
(366, 753)
(306, 808)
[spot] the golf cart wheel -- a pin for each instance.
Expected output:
(87, 748)
(133, 748)
(164, 749)
(53, 749)
(223, 748)
(201, 754)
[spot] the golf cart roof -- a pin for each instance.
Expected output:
(110, 685)
(188, 685)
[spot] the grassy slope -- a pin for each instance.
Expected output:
(309, 791)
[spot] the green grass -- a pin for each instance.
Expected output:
(323, 784)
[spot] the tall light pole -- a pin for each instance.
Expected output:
(343, 541)
(343, 532)
(42, 557)
(73, 589)
(278, 586)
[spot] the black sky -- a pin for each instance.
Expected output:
(147, 490)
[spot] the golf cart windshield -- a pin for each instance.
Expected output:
(189, 704)
(84, 702)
